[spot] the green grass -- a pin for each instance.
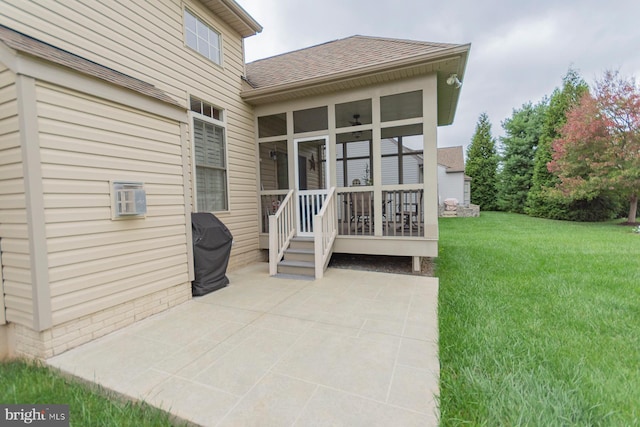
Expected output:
(23, 382)
(539, 322)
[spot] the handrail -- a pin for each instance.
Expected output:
(325, 230)
(282, 227)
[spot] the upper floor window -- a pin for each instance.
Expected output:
(202, 38)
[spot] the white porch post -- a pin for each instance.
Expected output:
(331, 146)
(377, 166)
(430, 150)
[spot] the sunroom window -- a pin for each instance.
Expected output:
(354, 159)
(402, 155)
(202, 38)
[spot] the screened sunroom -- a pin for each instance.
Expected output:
(362, 150)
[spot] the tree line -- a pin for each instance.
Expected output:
(575, 155)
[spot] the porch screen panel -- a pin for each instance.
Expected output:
(353, 159)
(273, 125)
(402, 156)
(310, 120)
(401, 106)
(211, 173)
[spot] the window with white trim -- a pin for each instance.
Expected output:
(210, 157)
(202, 38)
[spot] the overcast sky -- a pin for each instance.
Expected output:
(520, 49)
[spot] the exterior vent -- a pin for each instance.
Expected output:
(129, 200)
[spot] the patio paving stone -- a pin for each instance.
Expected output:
(356, 348)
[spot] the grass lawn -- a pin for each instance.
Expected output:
(28, 383)
(539, 322)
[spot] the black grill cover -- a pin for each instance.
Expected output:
(211, 249)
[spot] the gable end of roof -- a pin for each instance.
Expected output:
(20, 42)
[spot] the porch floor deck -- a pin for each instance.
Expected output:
(355, 348)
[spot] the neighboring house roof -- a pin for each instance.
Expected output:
(452, 158)
(354, 62)
(232, 13)
(34, 47)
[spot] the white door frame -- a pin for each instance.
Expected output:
(309, 202)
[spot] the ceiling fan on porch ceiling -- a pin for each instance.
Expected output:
(357, 134)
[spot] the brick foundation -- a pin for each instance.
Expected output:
(23, 341)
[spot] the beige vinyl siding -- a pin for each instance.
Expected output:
(15, 288)
(268, 171)
(95, 262)
(125, 35)
(145, 39)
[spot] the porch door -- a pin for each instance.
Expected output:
(312, 180)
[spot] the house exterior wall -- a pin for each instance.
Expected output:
(70, 272)
(145, 40)
(15, 282)
(268, 168)
(94, 262)
(450, 185)
(410, 170)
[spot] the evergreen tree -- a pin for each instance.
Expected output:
(482, 164)
(523, 132)
(541, 201)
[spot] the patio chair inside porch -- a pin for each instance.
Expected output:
(361, 206)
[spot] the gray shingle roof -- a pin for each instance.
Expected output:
(452, 158)
(23, 43)
(338, 56)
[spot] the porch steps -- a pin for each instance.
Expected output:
(297, 268)
(298, 259)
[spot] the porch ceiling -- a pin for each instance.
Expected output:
(340, 65)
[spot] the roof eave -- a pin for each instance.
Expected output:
(448, 96)
(453, 60)
(241, 21)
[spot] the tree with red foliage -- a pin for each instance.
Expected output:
(599, 147)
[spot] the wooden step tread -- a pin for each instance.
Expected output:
(294, 276)
(293, 263)
(300, 251)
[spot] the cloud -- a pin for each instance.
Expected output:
(520, 49)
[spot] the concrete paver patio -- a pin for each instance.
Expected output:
(356, 348)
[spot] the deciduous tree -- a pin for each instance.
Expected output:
(599, 147)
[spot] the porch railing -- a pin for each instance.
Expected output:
(356, 212)
(270, 202)
(325, 230)
(282, 228)
(402, 212)
(310, 203)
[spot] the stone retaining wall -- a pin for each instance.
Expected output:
(459, 211)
